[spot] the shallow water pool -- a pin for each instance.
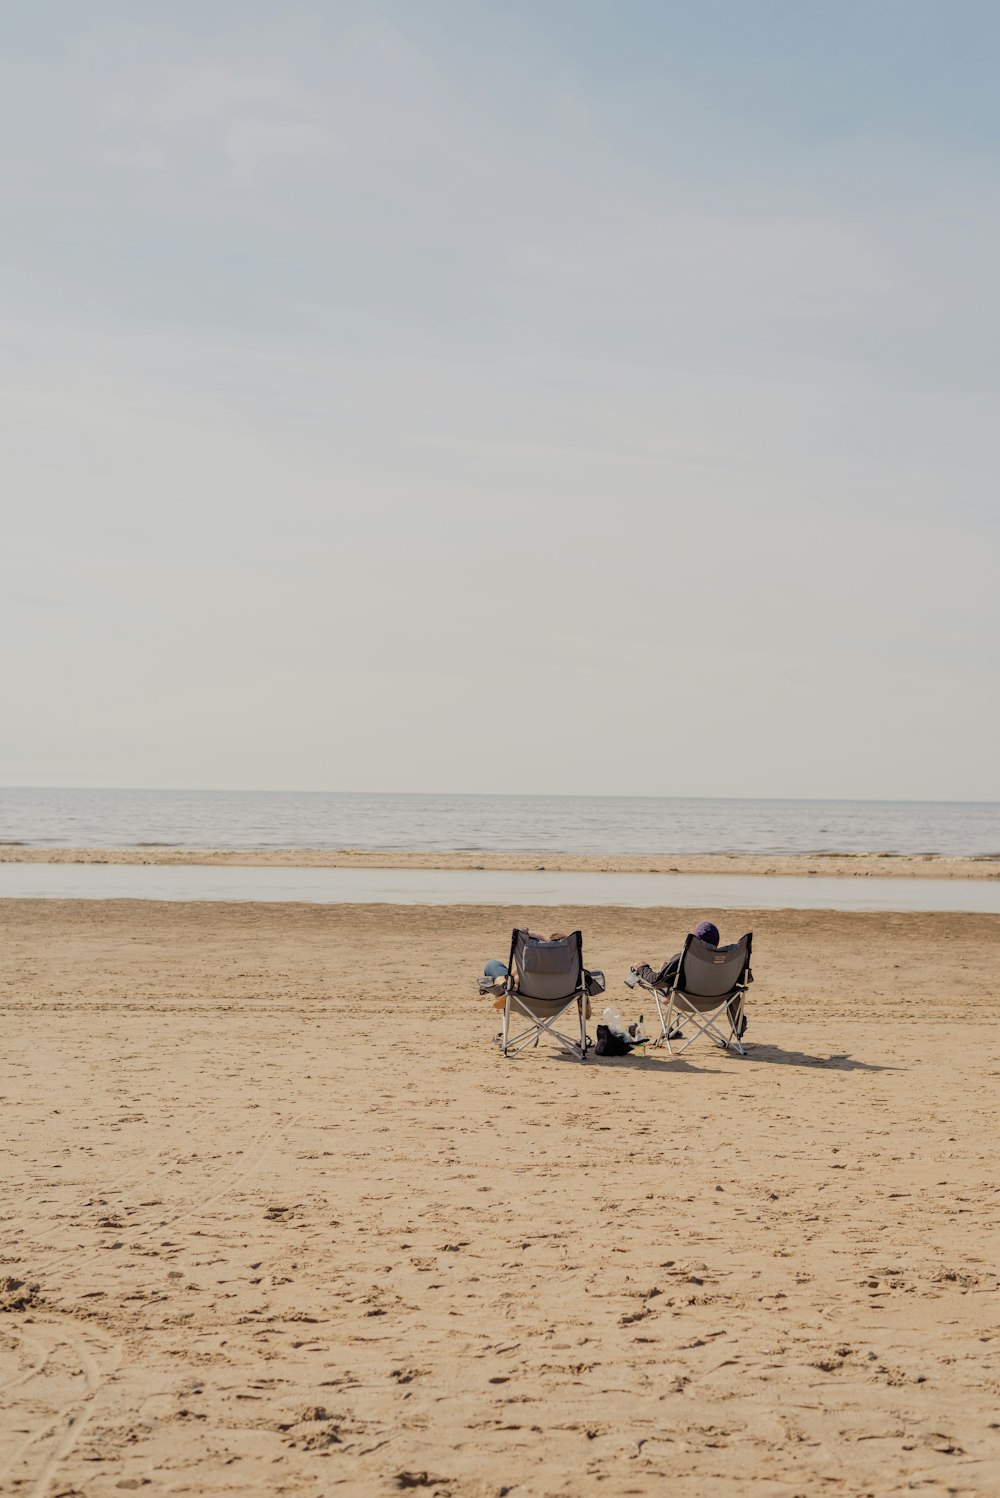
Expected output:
(492, 887)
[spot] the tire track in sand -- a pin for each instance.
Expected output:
(73, 1416)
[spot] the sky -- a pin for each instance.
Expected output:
(443, 395)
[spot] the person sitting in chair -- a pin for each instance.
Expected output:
(665, 975)
(495, 971)
(706, 931)
(495, 975)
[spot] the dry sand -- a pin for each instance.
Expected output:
(278, 1218)
(846, 865)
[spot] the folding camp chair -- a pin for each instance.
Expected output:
(706, 993)
(545, 980)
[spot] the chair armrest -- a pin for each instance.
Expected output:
(634, 981)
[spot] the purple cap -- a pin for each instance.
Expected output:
(708, 933)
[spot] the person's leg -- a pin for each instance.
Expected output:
(494, 979)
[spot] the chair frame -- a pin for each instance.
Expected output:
(554, 1009)
(676, 1003)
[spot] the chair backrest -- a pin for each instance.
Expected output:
(547, 969)
(710, 972)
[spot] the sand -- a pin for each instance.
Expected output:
(844, 865)
(278, 1218)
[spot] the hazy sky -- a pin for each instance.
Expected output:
(527, 395)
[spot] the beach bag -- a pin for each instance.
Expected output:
(610, 1044)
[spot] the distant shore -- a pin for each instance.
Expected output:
(838, 865)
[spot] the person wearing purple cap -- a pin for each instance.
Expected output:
(709, 934)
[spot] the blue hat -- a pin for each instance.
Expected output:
(708, 933)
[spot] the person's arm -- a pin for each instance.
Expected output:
(668, 972)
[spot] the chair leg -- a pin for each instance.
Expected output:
(664, 1037)
(707, 1025)
(736, 1027)
(537, 1027)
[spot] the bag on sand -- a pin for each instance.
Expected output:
(610, 1044)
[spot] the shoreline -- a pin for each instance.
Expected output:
(830, 865)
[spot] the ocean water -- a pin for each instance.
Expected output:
(544, 824)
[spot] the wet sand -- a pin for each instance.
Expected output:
(279, 1219)
(841, 865)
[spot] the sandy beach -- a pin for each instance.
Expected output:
(840, 865)
(279, 1218)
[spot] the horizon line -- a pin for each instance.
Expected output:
(507, 795)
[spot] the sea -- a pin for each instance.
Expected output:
(45, 818)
